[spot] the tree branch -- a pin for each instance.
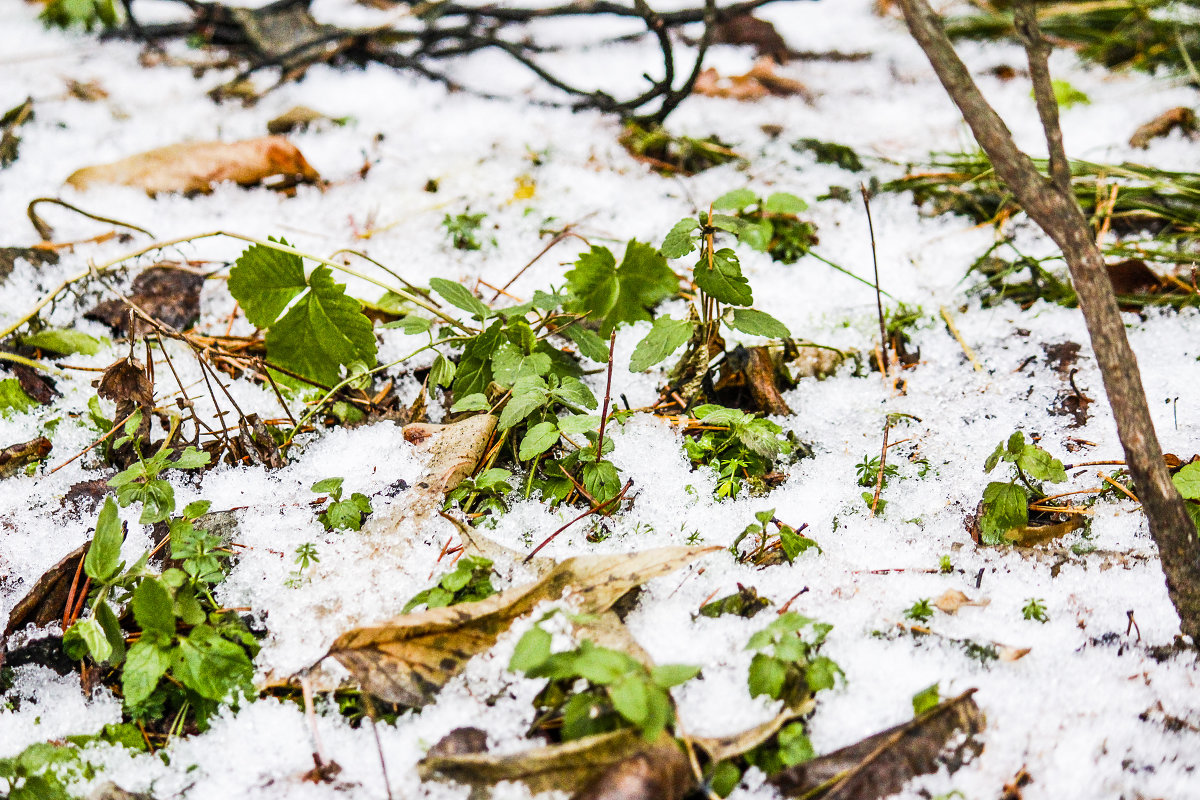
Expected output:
(1037, 51)
(1061, 218)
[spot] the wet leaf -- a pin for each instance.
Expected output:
(198, 166)
(660, 772)
(746, 29)
(454, 450)
(761, 81)
(410, 658)
(883, 763)
(47, 599)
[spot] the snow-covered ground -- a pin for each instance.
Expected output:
(1082, 711)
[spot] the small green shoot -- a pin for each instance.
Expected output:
(927, 698)
(470, 580)
(787, 665)
(1006, 505)
(463, 230)
(1034, 610)
(348, 514)
(921, 611)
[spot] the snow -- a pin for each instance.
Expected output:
(1072, 711)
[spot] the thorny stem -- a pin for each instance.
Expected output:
(1060, 216)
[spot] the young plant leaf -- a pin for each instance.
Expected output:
(735, 200)
(679, 242)
(613, 295)
(758, 323)
(460, 296)
(784, 203)
(664, 338)
(724, 280)
(539, 439)
(103, 559)
(1187, 481)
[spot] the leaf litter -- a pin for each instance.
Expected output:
(870, 568)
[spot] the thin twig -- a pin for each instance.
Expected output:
(882, 463)
(883, 362)
(590, 511)
(966, 348)
(612, 344)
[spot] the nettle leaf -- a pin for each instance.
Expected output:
(664, 338)
(442, 371)
(211, 666)
(153, 607)
(723, 281)
(103, 559)
(1005, 506)
(613, 295)
(460, 296)
(539, 439)
(784, 203)
(94, 637)
(679, 241)
(145, 665)
(510, 364)
(65, 342)
(313, 327)
(528, 395)
(767, 675)
(758, 323)
(579, 423)
(1187, 481)
(574, 391)
(724, 222)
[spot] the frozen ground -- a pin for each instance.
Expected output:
(1082, 712)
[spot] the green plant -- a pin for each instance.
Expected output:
(787, 665)
(945, 565)
(772, 224)
(830, 153)
(1034, 610)
(348, 514)
(1067, 95)
(86, 14)
(487, 489)
(788, 540)
(609, 294)
(141, 481)
(306, 556)
(462, 230)
(927, 698)
(920, 611)
(1006, 505)
(43, 771)
(314, 328)
(741, 448)
(470, 580)
(618, 690)
(1187, 481)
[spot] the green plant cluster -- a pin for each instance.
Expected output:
(470, 580)
(772, 224)
(342, 514)
(1006, 504)
(86, 14)
(619, 691)
(43, 771)
(789, 540)
(741, 450)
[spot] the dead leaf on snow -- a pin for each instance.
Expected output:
(168, 294)
(296, 118)
(762, 80)
(35, 256)
(720, 748)
(46, 600)
(1182, 118)
(758, 33)
(568, 767)
(660, 772)
(881, 764)
(454, 449)
(197, 166)
(1009, 653)
(125, 381)
(952, 600)
(408, 659)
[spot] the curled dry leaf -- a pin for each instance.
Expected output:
(409, 659)
(762, 80)
(197, 166)
(454, 450)
(16, 457)
(168, 294)
(758, 33)
(1182, 118)
(720, 748)
(47, 598)
(952, 600)
(881, 764)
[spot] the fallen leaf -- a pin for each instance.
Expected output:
(454, 450)
(16, 457)
(660, 772)
(566, 767)
(197, 166)
(1036, 535)
(460, 741)
(1009, 653)
(1132, 276)
(1181, 118)
(745, 602)
(35, 256)
(747, 29)
(125, 381)
(408, 659)
(296, 118)
(720, 748)
(759, 82)
(168, 294)
(46, 600)
(10, 143)
(952, 600)
(881, 764)
(753, 370)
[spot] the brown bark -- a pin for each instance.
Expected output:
(1054, 208)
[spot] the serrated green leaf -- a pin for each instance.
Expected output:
(758, 323)
(528, 395)
(472, 402)
(1040, 465)
(92, 634)
(679, 241)
(102, 562)
(736, 200)
(724, 222)
(784, 203)
(460, 296)
(631, 699)
(994, 458)
(539, 439)
(579, 423)
(510, 364)
(757, 235)
(153, 607)
(664, 338)
(613, 295)
(474, 366)
(264, 281)
(190, 458)
(112, 631)
(1005, 507)
(145, 665)
(64, 341)
(602, 666)
(1187, 481)
(591, 345)
(766, 676)
(331, 486)
(210, 665)
(574, 391)
(442, 372)
(410, 325)
(723, 281)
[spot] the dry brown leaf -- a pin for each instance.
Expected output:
(762, 80)
(720, 748)
(197, 166)
(952, 600)
(47, 598)
(660, 772)
(454, 449)
(165, 292)
(407, 660)
(881, 764)
(568, 767)
(1182, 118)
(1009, 653)
(296, 118)
(750, 30)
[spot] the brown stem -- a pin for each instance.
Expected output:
(612, 345)
(1061, 218)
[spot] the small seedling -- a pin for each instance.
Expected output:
(462, 230)
(347, 514)
(927, 698)
(306, 555)
(945, 566)
(742, 451)
(1034, 610)
(920, 611)
(787, 665)
(471, 579)
(1006, 505)
(786, 539)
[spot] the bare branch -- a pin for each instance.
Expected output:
(1038, 52)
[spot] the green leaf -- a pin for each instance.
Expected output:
(794, 745)
(211, 666)
(994, 458)
(103, 559)
(1040, 465)
(591, 345)
(112, 632)
(532, 650)
(190, 458)
(767, 675)
(92, 633)
(601, 480)
(442, 372)
(758, 323)
(460, 296)
(528, 395)
(663, 339)
(734, 225)
(13, 397)
(411, 325)
(757, 235)
(264, 281)
(612, 295)
(1187, 481)
(197, 509)
(1005, 507)
(1016, 445)
(724, 778)
(579, 423)
(575, 392)
(539, 439)
(784, 203)
(631, 699)
(157, 498)
(602, 666)
(736, 200)
(145, 665)
(668, 675)
(332, 486)
(927, 698)
(679, 242)
(509, 364)
(822, 674)
(474, 366)
(724, 281)
(472, 402)
(64, 341)
(153, 607)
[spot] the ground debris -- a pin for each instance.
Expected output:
(1180, 118)
(165, 292)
